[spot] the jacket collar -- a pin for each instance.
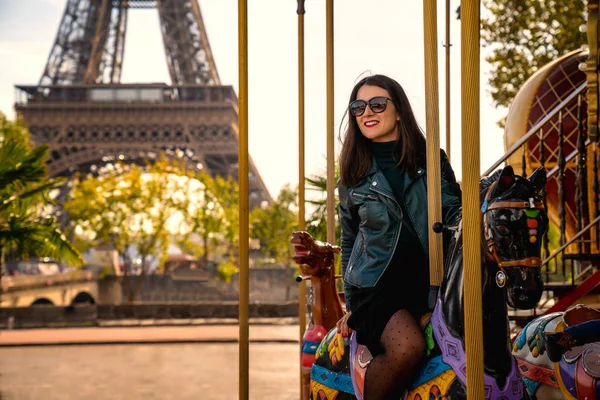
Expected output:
(385, 186)
(376, 180)
(410, 179)
(374, 167)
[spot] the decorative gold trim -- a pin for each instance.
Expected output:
(443, 382)
(316, 387)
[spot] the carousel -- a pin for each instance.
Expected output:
(548, 177)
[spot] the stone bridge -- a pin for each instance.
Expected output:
(60, 290)
(269, 285)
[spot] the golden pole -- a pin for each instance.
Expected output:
(434, 201)
(591, 70)
(448, 144)
(331, 183)
(470, 201)
(301, 187)
(243, 199)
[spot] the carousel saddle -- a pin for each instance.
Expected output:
(579, 371)
(579, 314)
(588, 355)
(580, 367)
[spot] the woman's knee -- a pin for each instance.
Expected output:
(406, 354)
(403, 338)
(413, 346)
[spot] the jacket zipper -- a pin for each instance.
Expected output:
(364, 196)
(397, 232)
(364, 244)
(362, 249)
(391, 198)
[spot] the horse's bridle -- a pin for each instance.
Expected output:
(490, 247)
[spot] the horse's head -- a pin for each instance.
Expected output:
(514, 222)
(314, 258)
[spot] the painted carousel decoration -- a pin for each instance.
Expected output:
(576, 374)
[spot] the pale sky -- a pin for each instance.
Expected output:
(381, 36)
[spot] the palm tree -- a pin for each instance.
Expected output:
(316, 224)
(26, 228)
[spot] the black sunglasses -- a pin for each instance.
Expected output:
(378, 104)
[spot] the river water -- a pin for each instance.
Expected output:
(156, 371)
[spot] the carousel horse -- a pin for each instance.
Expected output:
(576, 375)
(316, 262)
(513, 222)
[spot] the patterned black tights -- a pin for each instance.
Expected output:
(403, 346)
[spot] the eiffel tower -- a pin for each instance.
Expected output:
(88, 117)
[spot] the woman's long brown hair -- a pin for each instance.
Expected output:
(409, 151)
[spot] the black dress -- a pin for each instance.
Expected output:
(405, 282)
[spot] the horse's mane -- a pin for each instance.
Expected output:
(486, 182)
(521, 187)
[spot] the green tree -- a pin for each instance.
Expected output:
(101, 207)
(525, 35)
(130, 205)
(227, 191)
(27, 226)
(203, 214)
(273, 225)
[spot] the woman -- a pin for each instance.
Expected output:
(383, 214)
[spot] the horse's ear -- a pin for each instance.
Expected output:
(538, 178)
(506, 179)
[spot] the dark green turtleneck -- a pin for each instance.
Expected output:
(384, 156)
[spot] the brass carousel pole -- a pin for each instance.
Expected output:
(448, 144)
(330, 125)
(470, 16)
(301, 188)
(244, 290)
(434, 200)
(591, 70)
(593, 98)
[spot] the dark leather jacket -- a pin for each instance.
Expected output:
(371, 220)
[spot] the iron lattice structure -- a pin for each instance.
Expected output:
(88, 117)
(90, 43)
